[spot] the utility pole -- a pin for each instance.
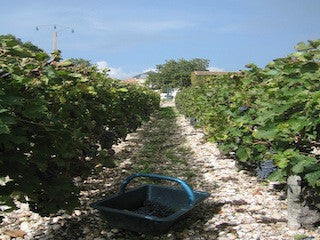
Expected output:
(54, 41)
(56, 29)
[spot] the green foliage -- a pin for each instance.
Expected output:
(53, 118)
(199, 79)
(176, 73)
(80, 61)
(261, 114)
(17, 41)
(301, 237)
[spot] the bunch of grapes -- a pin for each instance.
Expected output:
(243, 108)
(155, 209)
(193, 122)
(107, 139)
(265, 168)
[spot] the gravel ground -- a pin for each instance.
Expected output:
(240, 207)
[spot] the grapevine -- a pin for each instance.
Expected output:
(58, 121)
(250, 112)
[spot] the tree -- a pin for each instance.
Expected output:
(176, 73)
(17, 41)
(81, 61)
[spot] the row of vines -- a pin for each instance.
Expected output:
(58, 121)
(265, 115)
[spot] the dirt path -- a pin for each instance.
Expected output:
(239, 206)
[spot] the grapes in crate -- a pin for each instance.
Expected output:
(154, 209)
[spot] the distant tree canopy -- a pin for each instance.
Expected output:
(176, 73)
(17, 41)
(80, 61)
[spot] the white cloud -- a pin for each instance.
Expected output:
(215, 69)
(102, 65)
(115, 72)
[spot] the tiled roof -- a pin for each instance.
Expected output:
(131, 80)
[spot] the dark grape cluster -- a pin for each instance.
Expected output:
(107, 139)
(134, 124)
(154, 209)
(93, 152)
(271, 151)
(193, 122)
(243, 108)
(265, 168)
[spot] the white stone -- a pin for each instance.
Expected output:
(77, 212)
(114, 230)
(5, 237)
(55, 227)
(25, 226)
(55, 219)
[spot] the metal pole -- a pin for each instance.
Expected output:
(56, 29)
(54, 41)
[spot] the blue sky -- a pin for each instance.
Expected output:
(131, 36)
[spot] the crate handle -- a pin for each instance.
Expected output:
(150, 175)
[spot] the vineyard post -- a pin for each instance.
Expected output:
(300, 213)
(294, 202)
